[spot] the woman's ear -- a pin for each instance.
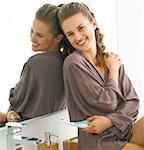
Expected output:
(59, 37)
(94, 23)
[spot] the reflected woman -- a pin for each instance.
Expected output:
(40, 90)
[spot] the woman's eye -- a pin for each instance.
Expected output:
(39, 35)
(81, 28)
(70, 34)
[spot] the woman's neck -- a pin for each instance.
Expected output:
(91, 56)
(53, 48)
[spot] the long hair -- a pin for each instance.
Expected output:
(68, 10)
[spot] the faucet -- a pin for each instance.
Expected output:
(15, 140)
(49, 140)
(52, 139)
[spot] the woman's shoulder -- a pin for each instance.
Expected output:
(74, 61)
(45, 57)
(74, 58)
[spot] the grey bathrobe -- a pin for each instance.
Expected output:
(40, 89)
(89, 94)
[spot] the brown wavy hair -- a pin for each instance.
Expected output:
(68, 10)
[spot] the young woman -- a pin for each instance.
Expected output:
(40, 89)
(97, 88)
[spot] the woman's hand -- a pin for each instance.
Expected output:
(13, 116)
(113, 63)
(98, 124)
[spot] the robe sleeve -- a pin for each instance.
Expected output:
(22, 92)
(127, 112)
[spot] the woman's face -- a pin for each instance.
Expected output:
(41, 36)
(80, 32)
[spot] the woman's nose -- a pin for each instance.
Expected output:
(33, 38)
(77, 36)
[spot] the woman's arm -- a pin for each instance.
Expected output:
(20, 95)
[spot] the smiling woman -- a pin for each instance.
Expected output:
(41, 38)
(15, 43)
(116, 17)
(40, 89)
(97, 88)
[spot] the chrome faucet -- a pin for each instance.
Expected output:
(15, 139)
